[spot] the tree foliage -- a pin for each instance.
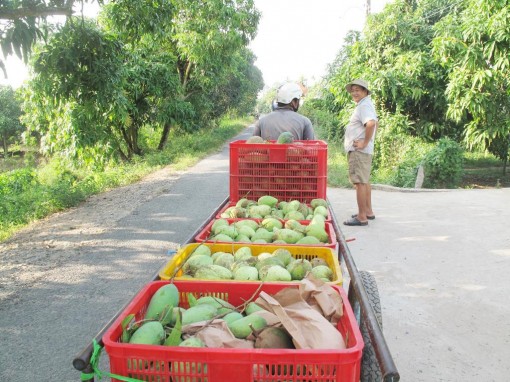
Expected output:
(443, 65)
(161, 63)
(207, 40)
(10, 112)
(23, 23)
(473, 45)
(76, 97)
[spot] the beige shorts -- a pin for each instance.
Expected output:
(360, 165)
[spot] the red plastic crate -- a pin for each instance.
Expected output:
(204, 235)
(285, 171)
(232, 204)
(154, 363)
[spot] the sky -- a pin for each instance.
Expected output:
(299, 38)
(295, 39)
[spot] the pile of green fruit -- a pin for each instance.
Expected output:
(279, 265)
(269, 230)
(268, 206)
(164, 320)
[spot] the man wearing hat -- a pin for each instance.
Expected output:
(284, 117)
(359, 145)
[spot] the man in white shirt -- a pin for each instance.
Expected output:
(359, 145)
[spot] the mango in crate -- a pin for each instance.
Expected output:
(150, 333)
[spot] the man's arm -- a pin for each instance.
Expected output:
(308, 133)
(256, 130)
(369, 132)
(360, 144)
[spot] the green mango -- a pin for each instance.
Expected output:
(243, 327)
(232, 316)
(150, 333)
(162, 303)
(267, 200)
(285, 138)
(221, 305)
(198, 313)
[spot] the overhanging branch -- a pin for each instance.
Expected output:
(19, 13)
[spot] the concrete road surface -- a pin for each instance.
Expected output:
(441, 261)
(442, 264)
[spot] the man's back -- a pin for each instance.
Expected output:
(282, 120)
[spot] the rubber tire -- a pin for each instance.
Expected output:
(370, 370)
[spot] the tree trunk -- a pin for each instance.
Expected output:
(5, 145)
(134, 140)
(164, 136)
(127, 139)
(123, 156)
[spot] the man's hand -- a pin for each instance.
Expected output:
(359, 144)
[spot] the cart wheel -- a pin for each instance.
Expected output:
(370, 370)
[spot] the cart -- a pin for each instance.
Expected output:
(377, 363)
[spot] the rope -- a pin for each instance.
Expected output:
(94, 360)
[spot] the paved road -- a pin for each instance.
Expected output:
(441, 260)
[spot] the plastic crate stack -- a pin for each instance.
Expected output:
(287, 172)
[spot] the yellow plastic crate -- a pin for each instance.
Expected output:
(298, 252)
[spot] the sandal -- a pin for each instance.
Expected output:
(368, 217)
(355, 222)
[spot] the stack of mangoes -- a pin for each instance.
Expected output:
(242, 265)
(164, 321)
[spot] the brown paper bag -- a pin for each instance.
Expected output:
(322, 296)
(308, 328)
(216, 335)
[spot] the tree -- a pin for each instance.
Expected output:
(76, 98)
(473, 45)
(237, 90)
(10, 112)
(393, 53)
(203, 37)
(95, 86)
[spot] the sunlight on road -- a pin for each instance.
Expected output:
(424, 238)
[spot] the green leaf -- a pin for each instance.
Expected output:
(126, 335)
(192, 301)
(174, 339)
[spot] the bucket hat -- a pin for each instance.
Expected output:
(358, 82)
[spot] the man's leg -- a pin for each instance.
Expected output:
(361, 199)
(368, 200)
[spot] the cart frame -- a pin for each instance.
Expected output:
(358, 296)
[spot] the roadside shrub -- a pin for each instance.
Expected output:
(403, 173)
(17, 181)
(325, 123)
(444, 165)
(397, 154)
(392, 140)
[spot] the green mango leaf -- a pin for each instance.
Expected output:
(191, 300)
(126, 335)
(174, 339)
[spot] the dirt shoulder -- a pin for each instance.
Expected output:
(49, 243)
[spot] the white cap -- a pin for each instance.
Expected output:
(287, 92)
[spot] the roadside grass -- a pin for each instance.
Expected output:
(481, 170)
(484, 170)
(338, 169)
(31, 193)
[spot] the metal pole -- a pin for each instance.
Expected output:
(368, 9)
(382, 352)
